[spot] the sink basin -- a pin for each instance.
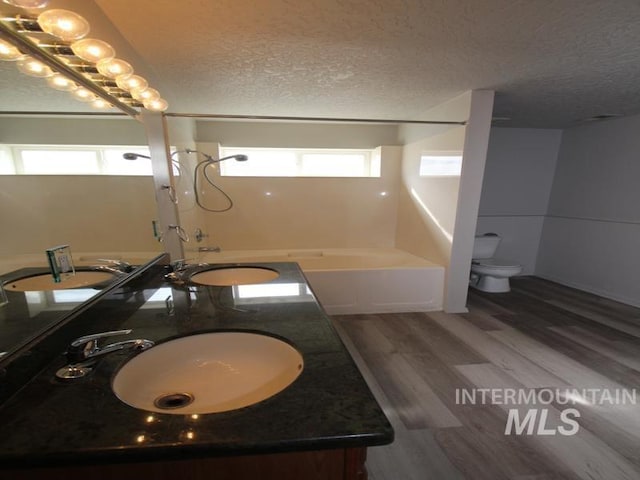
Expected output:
(227, 276)
(44, 281)
(208, 373)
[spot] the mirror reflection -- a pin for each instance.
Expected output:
(63, 181)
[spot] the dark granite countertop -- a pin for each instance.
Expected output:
(48, 422)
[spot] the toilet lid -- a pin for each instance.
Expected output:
(495, 262)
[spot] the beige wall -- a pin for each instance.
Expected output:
(297, 135)
(306, 212)
(428, 204)
(71, 131)
(437, 217)
(302, 212)
(90, 213)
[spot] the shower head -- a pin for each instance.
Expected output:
(133, 156)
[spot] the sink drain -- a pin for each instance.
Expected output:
(170, 401)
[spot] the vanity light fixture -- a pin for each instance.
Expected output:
(56, 49)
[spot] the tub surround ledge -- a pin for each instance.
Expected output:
(48, 423)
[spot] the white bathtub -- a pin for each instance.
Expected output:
(363, 280)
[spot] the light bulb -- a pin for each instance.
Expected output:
(84, 95)
(145, 94)
(131, 82)
(32, 67)
(60, 82)
(28, 3)
(9, 52)
(101, 104)
(93, 50)
(159, 105)
(64, 24)
(113, 67)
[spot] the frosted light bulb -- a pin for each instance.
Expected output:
(32, 67)
(146, 94)
(159, 105)
(131, 82)
(84, 95)
(101, 104)
(65, 25)
(93, 50)
(113, 67)
(9, 52)
(60, 82)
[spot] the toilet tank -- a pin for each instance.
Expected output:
(485, 245)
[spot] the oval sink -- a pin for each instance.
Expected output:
(208, 373)
(44, 281)
(227, 276)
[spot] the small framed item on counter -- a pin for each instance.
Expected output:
(61, 263)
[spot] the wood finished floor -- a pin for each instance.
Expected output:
(541, 335)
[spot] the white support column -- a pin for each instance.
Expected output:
(156, 130)
(476, 142)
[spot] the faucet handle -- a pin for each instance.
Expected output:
(80, 341)
(83, 347)
(119, 264)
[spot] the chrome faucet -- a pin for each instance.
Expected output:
(85, 351)
(180, 270)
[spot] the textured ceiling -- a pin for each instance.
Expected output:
(551, 62)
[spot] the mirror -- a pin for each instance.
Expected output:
(99, 216)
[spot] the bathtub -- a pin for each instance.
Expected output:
(351, 281)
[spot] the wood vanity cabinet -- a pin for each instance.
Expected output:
(337, 464)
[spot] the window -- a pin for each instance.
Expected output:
(441, 164)
(290, 162)
(72, 160)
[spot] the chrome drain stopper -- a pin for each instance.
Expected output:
(171, 401)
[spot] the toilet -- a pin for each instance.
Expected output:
(487, 273)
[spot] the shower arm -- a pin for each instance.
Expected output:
(208, 158)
